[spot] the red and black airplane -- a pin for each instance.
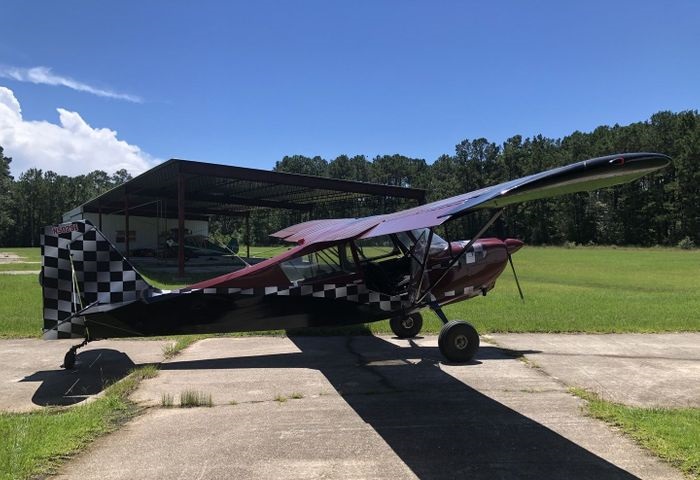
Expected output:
(340, 271)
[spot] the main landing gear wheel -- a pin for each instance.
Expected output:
(408, 326)
(458, 341)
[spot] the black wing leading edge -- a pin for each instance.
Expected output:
(578, 177)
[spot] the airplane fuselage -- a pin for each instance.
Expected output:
(257, 299)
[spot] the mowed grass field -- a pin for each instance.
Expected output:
(590, 289)
(20, 306)
(31, 259)
(585, 289)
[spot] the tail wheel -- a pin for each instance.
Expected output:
(408, 326)
(69, 360)
(458, 341)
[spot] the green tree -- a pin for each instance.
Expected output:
(303, 165)
(350, 168)
(119, 177)
(31, 198)
(6, 200)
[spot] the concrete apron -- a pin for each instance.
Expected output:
(370, 407)
(645, 370)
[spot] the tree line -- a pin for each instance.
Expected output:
(39, 198)
(659, 209)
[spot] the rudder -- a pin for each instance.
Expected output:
(80, 267)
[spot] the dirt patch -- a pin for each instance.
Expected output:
(10, 258)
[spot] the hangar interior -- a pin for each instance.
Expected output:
(180, 196)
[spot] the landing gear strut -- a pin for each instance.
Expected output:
(69, 358)
(458, 340)
(408, 326)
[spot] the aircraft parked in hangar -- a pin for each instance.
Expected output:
(340, 272)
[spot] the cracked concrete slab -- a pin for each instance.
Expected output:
(370, 407)
(646, 370)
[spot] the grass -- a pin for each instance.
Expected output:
(20, 266)
(148, 371)
(30, 259)
(293, 396)
(169, 281)
(585, 289)
(672, 434)
(36, 443)
(280, 398)
(181, 342)
(589, 289)
(28, 254)
(20, 306)
(167, 400)
(195, 398)
(265, 252)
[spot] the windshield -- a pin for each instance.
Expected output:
(437, 244)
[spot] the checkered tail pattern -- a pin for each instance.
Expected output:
(80, 267)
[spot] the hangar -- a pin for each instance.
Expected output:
(181, 195)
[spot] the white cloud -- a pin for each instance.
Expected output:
(71, 147)
(44, 76)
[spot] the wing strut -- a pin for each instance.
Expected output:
(457, 257)
(421, 251)
(515, 275)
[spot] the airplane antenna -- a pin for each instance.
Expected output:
(515, 275)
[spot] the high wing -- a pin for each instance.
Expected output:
(577, 177)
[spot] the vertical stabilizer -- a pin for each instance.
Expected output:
(80, 267)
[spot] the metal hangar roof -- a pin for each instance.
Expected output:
(213, 189)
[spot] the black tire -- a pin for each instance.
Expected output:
(69, 360)
(458, 341)
(407, 327)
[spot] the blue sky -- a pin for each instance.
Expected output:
(246, 83)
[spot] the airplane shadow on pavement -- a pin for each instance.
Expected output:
(95, 370)
(439, 426)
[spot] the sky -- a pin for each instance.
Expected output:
(88, 85)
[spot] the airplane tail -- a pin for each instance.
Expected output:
(80, 268)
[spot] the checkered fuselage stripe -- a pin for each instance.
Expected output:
(458, 292)
(352, 292)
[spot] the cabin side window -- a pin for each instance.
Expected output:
(328, 262)
(384, 262)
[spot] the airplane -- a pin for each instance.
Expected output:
(339, 271)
